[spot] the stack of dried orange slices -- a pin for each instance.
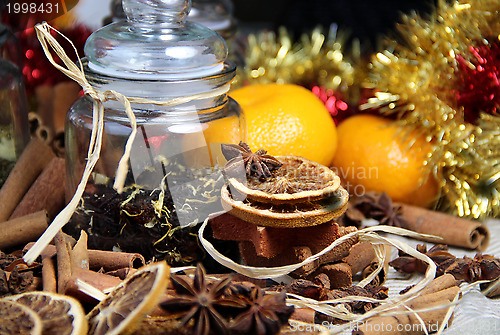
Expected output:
(299, 193)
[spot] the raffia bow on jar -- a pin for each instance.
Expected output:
(76, 73)
(441, 80)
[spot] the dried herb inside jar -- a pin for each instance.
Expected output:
(160, 223)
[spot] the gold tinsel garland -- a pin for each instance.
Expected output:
(415, 77)
(317, 58)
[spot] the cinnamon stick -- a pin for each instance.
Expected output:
(34, 121)
(58, 144)
(64, 268)
(492, 289)
(122, 273)
(47, 192)
(45, 103)
(79, 254)
(65, 94)
(303, 315)
(440, 283)
(409, 323)
(102, 259)
(100, 281)
(49, 275)
(454, 230)
(44, 133)
(30, 164)
(113, 260)
(23, 229)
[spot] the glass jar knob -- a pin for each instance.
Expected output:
(165, 12)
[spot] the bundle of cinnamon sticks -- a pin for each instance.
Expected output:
(434, 300)
(32, 195)
(454, 230)
(68, 263)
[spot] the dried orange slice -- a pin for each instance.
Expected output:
(60, 314)
(129, 302)
(287, 215)
(297, 180)
(18, 319)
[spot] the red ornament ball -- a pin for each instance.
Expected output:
(36, 68)
(478, 81)
(334, 102)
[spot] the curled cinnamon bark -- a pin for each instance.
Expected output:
(410, 323)
(98, 280)
(49, 275)
(107, 260)
(112, 260)
(30, 164)
(454, 230)
(46, 193)
(63, 261)
(23, 229)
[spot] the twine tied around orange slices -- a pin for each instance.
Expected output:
(76, 73)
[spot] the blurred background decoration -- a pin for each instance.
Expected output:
(13, 109)
(439, 77)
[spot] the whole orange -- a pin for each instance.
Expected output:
(373, 155)
(287, 120)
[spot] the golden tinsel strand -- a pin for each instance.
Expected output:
(469, 169)
(316, 59)
(414, 78)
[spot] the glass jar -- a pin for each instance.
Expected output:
(14, 131)
(174, 176)
(216, 15)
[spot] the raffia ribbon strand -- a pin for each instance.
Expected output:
(367, 234)
(76, 73)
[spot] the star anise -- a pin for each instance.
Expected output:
(202, 302)
(377, 292)
(438, 253)
(481, 267)
(258, 164)
(358, 307)
(265, 315)
(379, 206)
(351, 217)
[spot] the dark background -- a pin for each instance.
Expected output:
(363, 19)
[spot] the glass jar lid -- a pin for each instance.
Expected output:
(156, 42)
(214, 14)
